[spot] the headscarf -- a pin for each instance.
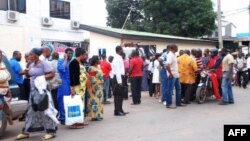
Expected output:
(50, 47)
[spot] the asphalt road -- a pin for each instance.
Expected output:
(151, 121)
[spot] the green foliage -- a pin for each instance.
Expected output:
(190, 18)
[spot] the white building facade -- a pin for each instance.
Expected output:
(37, 22)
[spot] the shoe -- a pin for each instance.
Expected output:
(62, 122)
(48, 136)
(160, 100)
(119, 114)
(97, 119)
(171, 107)
(22, 136)
(107, 102)
(223, 103)
(182, 105)
(164, 103)
(231, 102)
(125, 112)
(76, 126)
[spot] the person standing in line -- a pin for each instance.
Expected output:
(164, 77)
(78, 79)
(118, 90)
(47, 53)
(156, 76)
(54, 63)
(18, 72)
(144, 84)
(95, 91)
(136, 67)
(187, 68)
(37, 120)
(64, 88)
(174, 81)
(26, 81)
(106, 69)
(110, 59)
(227, 68)
(150, 77)
(125, 77)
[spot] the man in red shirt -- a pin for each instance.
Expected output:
(136, 67)
(106, 69)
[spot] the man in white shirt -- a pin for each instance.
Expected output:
(173, 78)
(118, 91)
(240, 65)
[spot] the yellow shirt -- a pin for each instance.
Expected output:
(187, 68)
(228, 59)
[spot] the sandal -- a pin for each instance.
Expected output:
(48, 136)
(22, 136)
(76, 126)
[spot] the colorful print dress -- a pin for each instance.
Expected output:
(81, 89)
(95, 94)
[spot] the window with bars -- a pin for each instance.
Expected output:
(59, 9)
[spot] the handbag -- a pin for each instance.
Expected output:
(119, 90)
(73, 106)
(55, 82)
(39, 102)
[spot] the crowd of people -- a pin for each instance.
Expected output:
(97, 79)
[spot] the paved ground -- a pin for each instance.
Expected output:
(152, 121)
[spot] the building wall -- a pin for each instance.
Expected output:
(30, 27)
(98, 41)
(162, 45)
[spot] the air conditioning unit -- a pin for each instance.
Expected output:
(47, 21)
(13, 16)
(75, 24)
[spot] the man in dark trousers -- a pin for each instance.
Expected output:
(118, 71)
(136, 66)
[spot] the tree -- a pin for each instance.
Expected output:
(118, 11)
(190, 18)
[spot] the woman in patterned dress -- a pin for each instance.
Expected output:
(95, 91)
(78, 79)
(37, 120)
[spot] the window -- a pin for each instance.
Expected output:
(14, 5)
(3, 4)
(59, 9)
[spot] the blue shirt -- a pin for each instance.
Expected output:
(16, 67)
(164, 58)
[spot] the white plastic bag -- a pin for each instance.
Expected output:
(73, 109)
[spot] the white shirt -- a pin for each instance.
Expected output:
(248, 63)
(172, 61)
(150, 67)
(118, 68)
(240, 63)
